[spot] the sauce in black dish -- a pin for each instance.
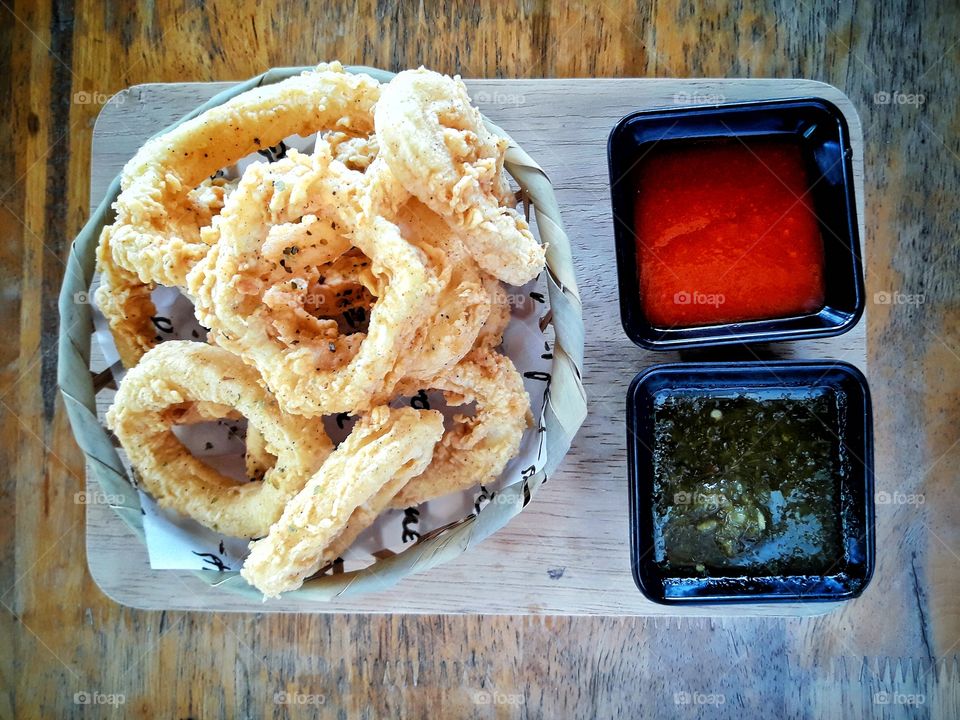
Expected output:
(751, 482)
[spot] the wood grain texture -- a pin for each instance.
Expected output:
(569, 554)
(63, 636)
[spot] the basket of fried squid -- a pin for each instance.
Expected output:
(412, 212)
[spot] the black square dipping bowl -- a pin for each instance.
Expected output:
(750, 482)
(820, 130)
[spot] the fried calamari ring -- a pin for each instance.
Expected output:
(383, 451)
(476, 449)
(163, 208)
(317, 371)
(346, 289)
(156, 233)
(436, 144)
(463, 306)
(262, 315)
(124, 300)
(175, 373)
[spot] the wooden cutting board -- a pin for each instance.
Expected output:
(567, 553)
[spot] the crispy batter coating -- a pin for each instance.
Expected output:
(385, 449)
(175, 373)
(257, 458)
(318, 370)
(461, 309)
(436, 144)
(126, 304)
(167, 198)
(477, 448)
(431, 301)
(357, 153)
(157, 233)
(491, 334)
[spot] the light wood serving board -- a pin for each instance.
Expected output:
(567, 553)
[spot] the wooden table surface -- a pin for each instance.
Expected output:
(60, 61)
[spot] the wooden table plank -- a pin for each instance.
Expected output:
(64, 635)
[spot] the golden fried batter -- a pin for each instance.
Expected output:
(478, 447)
(385, 449)
(178, 372)
(436, 144)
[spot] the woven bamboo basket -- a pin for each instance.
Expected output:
(563, 413)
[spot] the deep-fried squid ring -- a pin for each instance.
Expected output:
(176, 372)
(319, 371)
(312, 368)
(436, 144)
(383, 451)
(164, 208)
(156, 234)
(476, 449)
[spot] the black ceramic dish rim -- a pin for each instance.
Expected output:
(743, 333)
(635, 480)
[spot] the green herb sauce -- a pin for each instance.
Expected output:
(747, 483)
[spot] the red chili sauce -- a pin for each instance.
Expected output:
(726, 233)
